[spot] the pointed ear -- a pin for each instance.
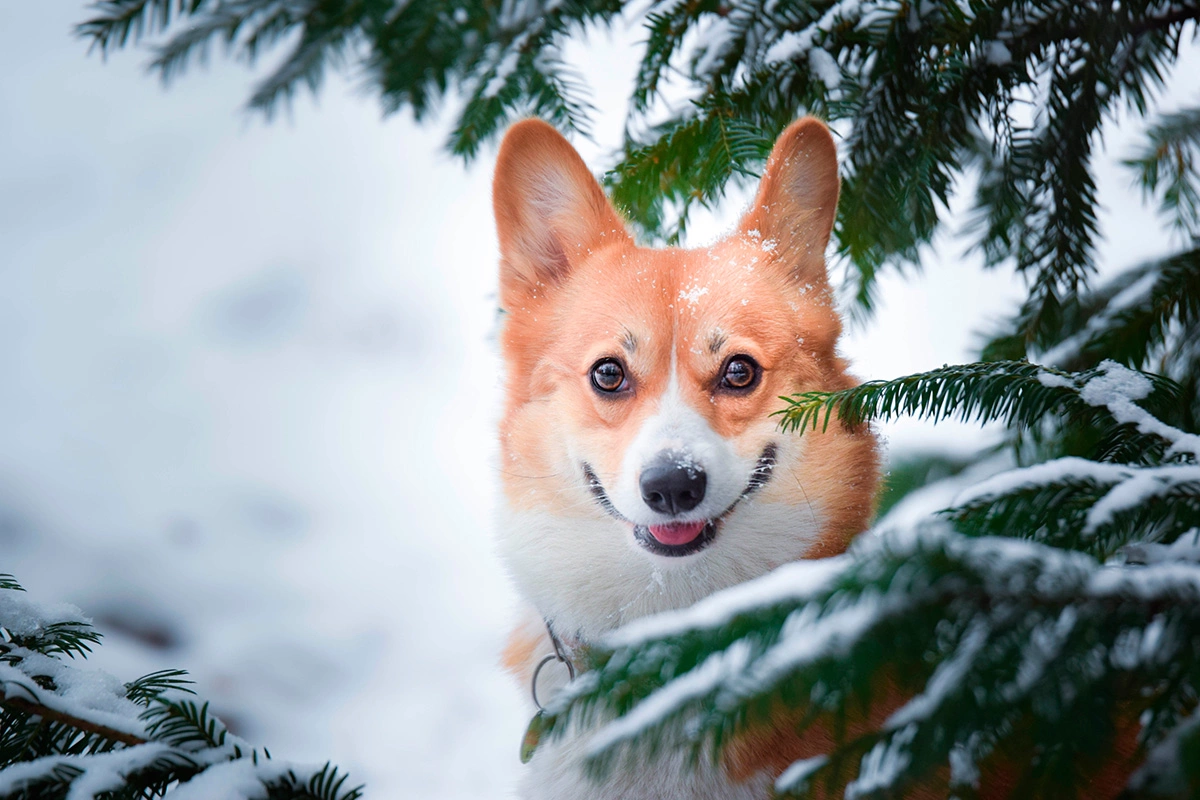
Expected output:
(550, 212)
(797, 198)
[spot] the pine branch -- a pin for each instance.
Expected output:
(1018, 628)
(1083, 505)
(150, 687)
(62, 737)
(1019, 394)
(184, 723)
(1168, 159)
(1135, 325)
(36, 709)
(120, 22)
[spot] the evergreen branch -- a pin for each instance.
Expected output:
(183, 723)
(33, 708)
(1132, 326)
(70, 638)
(1019, 627)
(148, 687)
(224, 21)
(1169, 159)
(9, 583)
(67, 734)
(119, 22)
(1019, 394)
(1083, 505)
(305, 64)
(325, 784)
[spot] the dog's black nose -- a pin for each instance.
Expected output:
(673, 485)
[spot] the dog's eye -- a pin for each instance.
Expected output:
(741, 372)
(608, 376)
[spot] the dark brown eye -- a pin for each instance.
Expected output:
(741, 372)
(608, 376)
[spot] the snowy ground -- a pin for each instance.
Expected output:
(248, 393)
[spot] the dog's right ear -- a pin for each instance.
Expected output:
(550, 212)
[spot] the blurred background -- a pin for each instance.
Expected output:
(248, 386)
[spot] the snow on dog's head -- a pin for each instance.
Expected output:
(641, 466)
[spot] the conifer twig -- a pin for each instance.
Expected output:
(37, 709)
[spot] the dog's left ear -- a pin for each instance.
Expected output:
(550, 211)
(797, 198)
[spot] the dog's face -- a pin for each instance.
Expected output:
(637, 442)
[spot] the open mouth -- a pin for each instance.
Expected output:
(674, 539)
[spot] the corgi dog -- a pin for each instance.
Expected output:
(641, 467)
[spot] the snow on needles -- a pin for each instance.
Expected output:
(715, 669)
(24, 618)
(794, 777)
(946, 678)
(796, 581)
(105, 771)
(1116, 389)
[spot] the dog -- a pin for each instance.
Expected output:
(641, 467)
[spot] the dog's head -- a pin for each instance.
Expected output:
(637, 441)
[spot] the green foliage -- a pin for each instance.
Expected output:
(1021, 632)
(929, 93)
(150, 687)
(62, 735)
(1166, 168)
(1017, 393)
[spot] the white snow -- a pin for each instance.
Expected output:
(103, 769)
(882, 764)
(1163, 773)
(81, 690)
(790, 582)
(1041, 474)
(800, 771)
(816, 637)
(1185, 548)
(504, 70)
(241, 778)
(1117, 389)
(713, 671)
(692, 294)
(997, 53)
(1055, 381)
(824, 67)
(1126, 298)
(23, 616)
(1140, 487)
(945, 679)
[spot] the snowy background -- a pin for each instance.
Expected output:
(248, 387)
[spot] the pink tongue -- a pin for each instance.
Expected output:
(677, 532)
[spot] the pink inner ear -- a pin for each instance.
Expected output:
(549, 209)
(797, 199)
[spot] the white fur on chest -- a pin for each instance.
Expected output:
(555, 774)
(589, 576)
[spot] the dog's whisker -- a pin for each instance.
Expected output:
(800, 485)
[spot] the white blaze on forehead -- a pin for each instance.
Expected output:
(676, 428)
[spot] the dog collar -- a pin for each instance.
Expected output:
(566, 653)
